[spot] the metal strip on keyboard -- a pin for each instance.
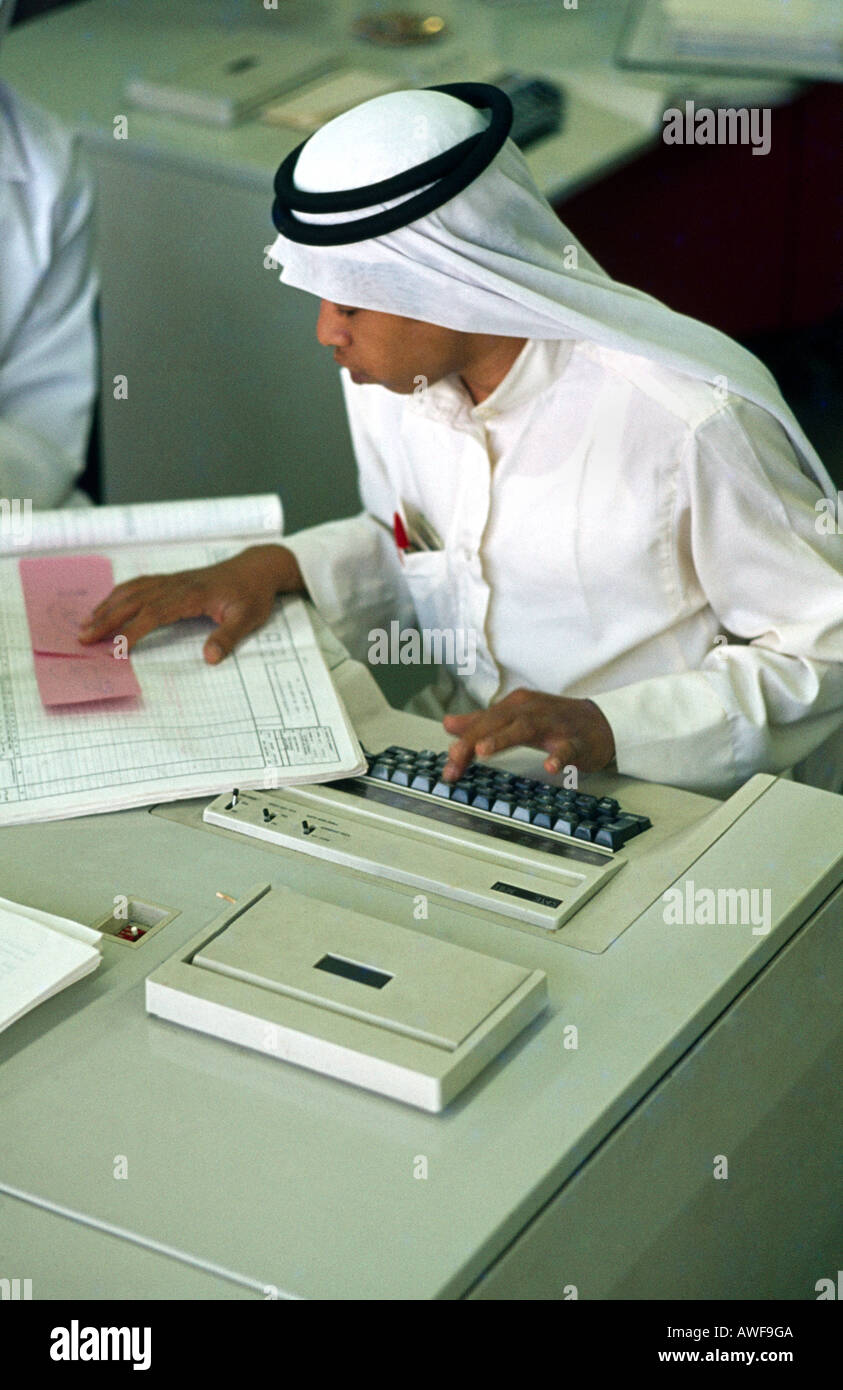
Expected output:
(465, 819)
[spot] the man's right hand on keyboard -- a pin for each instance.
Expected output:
(238, 594)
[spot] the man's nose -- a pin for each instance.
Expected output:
(330, 329)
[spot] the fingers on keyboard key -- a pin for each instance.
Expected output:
(527, 800)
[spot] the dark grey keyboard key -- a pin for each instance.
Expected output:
(612, 836)
(617, 832)
(527, 800)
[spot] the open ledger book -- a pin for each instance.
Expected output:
(39, 955)
(266, 716)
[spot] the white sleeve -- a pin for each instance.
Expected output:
(749, 540)
(48, 379)
(351, 567)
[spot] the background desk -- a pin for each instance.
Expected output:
(228, 390)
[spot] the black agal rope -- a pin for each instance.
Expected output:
(447, 173)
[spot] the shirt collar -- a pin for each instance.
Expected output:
(539, 363)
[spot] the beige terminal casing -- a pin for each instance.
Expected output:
(581, 1155)
(407, 1015)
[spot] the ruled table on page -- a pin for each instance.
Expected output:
(267, 715)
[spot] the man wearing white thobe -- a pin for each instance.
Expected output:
(626, 507)
(603, 520)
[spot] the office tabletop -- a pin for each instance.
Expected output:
(66, 1259)
(309, 1187)
(77, 61)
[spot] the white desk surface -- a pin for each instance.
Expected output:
(77, 60)
(290, 1180)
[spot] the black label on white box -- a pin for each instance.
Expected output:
(525, 893)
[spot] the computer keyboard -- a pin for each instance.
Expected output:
(515, 846)
(491, 791)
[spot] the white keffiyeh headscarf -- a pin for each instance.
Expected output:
(495, 258)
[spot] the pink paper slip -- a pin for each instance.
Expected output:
(59, 592)
(63, 680)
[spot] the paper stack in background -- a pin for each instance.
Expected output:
(782, 29)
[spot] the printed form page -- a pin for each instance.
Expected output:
(266, 716)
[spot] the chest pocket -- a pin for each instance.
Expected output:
(428, 578)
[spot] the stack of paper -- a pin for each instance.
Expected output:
(40, 954)
(229, 75)
(59, 592)
(320, 101)
(26, 532)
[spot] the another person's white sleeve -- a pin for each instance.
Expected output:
(771, 692)
(47, 383)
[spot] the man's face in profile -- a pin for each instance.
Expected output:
(387, 349)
